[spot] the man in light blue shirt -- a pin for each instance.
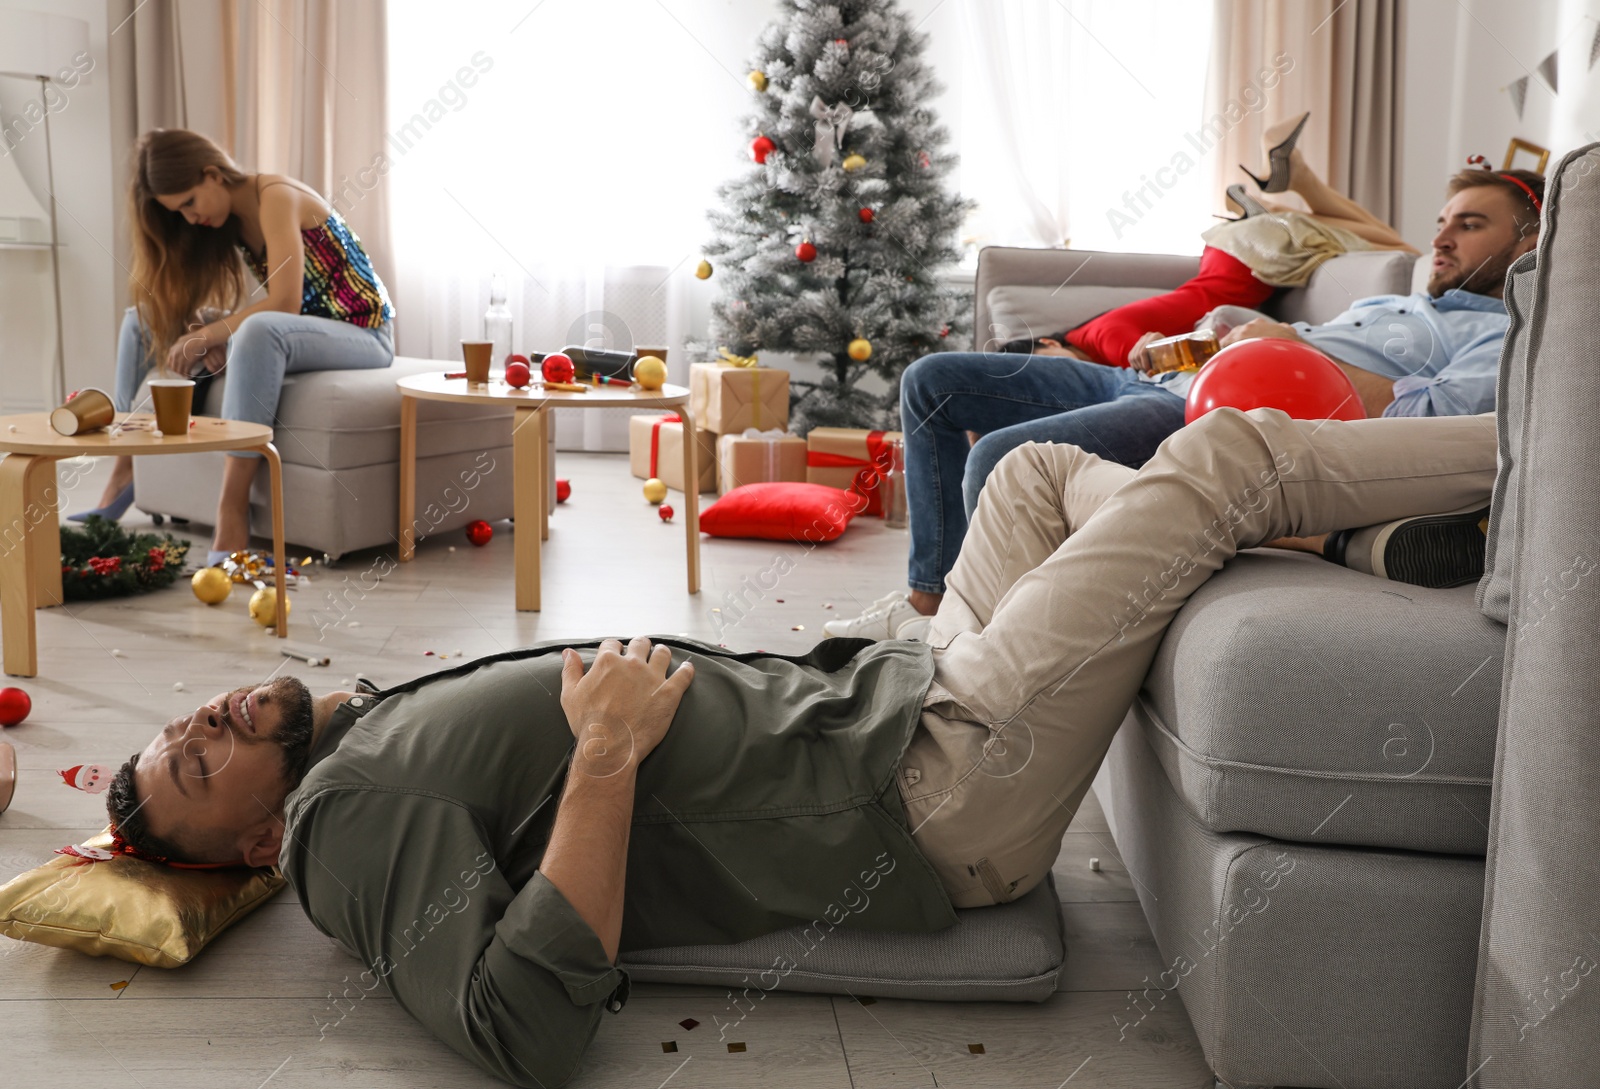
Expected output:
(1434, 353)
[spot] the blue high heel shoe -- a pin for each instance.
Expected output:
(113, 510)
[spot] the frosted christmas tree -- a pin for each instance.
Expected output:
(830, 245)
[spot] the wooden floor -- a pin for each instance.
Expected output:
(245, 1013)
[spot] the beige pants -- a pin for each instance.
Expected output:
(1070, 573)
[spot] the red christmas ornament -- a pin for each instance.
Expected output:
(665, 511)
(761, 147)
(517, 357)
(14, 706)
(866, 215)
(479, 532)
(924, 159)
(557, 368)
(563, 489)
(518, 374)
(806, 252)
(841, 41)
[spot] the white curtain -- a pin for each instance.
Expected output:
(1076, 117)
(572, 148)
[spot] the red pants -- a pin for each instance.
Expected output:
(1223, 280)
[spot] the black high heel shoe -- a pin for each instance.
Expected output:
(1248, 206)
(1278, 161)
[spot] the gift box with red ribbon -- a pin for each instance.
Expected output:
(845, 457)
(655, 449)
(759, 457)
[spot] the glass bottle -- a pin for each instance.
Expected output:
(893, 486)
(1185, 352)
(497, 322)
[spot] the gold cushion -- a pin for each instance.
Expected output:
(128, 908)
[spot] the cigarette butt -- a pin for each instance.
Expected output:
(303, 656)
(1094, 864)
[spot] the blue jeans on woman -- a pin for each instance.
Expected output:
(265, 347)
(1009, 400)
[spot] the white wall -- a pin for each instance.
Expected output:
(87, 186)
(1460, 56)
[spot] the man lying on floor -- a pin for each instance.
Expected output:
(488, 839)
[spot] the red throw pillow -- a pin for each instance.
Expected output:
(781, 511)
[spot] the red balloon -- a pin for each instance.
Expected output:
(563, 489)
(517, 374)
(14, 706)
(761, 147)
(479, 532)
(665, 512)
(806, 252)
(557, 368)
(1274, 373)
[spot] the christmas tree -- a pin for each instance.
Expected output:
(830, 245)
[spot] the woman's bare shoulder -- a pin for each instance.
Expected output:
(280, 192)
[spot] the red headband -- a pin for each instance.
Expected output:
(1479, 160)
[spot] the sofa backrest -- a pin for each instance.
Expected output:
(1537, 1006)
(1038, 292)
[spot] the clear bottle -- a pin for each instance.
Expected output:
(893, 486)
(497, 322)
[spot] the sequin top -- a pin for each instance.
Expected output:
(340, 282)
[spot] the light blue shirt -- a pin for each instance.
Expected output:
(1443, 354)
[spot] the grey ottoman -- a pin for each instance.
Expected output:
(338, 433)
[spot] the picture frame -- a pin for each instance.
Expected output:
(1521, 155)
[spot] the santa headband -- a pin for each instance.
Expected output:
(1480, 161)
(95, 779)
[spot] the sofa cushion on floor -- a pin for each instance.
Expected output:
(1300, 700)
(346, 419)
(1010, 953)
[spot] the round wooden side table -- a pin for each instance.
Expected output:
(30, 529)
(530, 503)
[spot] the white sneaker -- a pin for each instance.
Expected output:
(881, 620)
(916, 628)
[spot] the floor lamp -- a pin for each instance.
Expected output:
(40, 46)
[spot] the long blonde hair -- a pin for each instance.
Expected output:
(179, 268)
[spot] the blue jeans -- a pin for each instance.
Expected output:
(1009, 400)
(265, 347)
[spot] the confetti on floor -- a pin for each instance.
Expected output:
(689, 1024)
(779, 600)
(976, 1049)
(798, 627)
(734, 1049)
(119, 984)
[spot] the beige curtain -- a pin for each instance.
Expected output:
(1336, 58)
(296, 87)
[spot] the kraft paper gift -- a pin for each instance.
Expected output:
(849, 458)
(759, 457)
(655, 449)
(728, 399)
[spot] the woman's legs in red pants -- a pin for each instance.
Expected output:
(1223, 280)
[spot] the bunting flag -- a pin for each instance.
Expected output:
(1519, 95)
(1594, 47)
(1547, 69)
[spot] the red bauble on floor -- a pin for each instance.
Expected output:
(563, 489)
(14, 706)
(479, 532)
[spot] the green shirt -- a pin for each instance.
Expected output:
(415, 839)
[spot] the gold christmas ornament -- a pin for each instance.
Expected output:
(860, 349)
(211, 585)
(264, 607)
(650, 372)
(758, 80)
(702, 271)
(654, 490)
(853, 162)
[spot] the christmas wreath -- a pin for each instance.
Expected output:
(104, 560)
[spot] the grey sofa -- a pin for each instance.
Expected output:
(338, 433)
(1321, 763)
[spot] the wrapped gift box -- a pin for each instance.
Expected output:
(759, 457)
(844, 457)
(655, 448)
(728, 399)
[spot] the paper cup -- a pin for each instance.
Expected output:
(476, 354)
(659, 353)
(173, 398)
(87, 410)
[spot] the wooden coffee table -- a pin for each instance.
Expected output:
(30, 531)
(530, 497)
